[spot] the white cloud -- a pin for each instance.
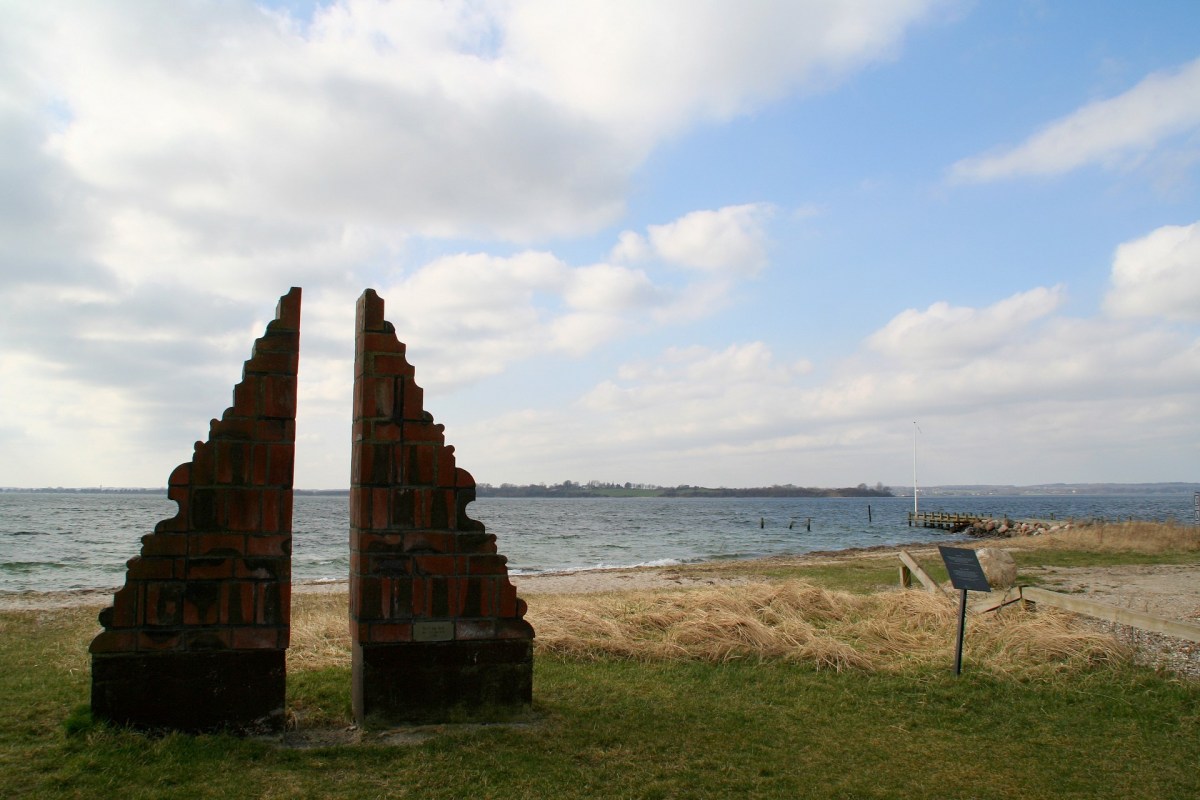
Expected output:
(1028, 399)
(1158, 275)
(1108, 132)
(945, 331)
(472, 315)
(730, 240)
(646, 70)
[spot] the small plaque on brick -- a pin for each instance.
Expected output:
(442, 631)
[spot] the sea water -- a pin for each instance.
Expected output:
(74, 540)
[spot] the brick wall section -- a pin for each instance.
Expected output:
(195, 639)
(435, 623)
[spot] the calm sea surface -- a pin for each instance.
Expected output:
(62, 541)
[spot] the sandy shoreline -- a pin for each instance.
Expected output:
(578, 582)
(1168, 590)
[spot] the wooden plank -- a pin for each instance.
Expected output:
(997, 600)
(929, 583)
(1122, 616)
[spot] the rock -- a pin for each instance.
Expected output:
(998, 566)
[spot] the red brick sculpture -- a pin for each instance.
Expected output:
(196, 639)
(435, 623)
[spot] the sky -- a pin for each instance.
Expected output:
(682, 242)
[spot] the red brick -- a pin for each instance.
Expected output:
(203, 466)
(476, 597)
(267, 361)
(379, 509)
(381, 343)
(420, 461)
(216, 544)
(159, 640)
(202, 603)
(285, 601)
(434, 565)
(487, 565)
(277, 340)
(255, 639)
(285, 512)
(165, 544)
(245, 509)
(287, 310)
(513, 629)
(126, 607)
(181, 476)
(423, 432)
(278, 396)
(378, 397)
(389, 632)
(507, 601)
(245, 401)
(388, 364)
(163, 605)
(463, 479)
(237, 603)
(420, 597)
(207, 639)
(429, 541)
(413, 407)
(272, 430)
(139, 568)
(360, 507)
(445, 467)
(271, 604)
(369, 312)
(266, 545)
(282, 461)
(271, 511)
(114, 642)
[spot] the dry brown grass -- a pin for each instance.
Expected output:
(320, 631)
(788, 621)
(797, 622)
(1129, 537)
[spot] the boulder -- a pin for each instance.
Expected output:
(998, 566)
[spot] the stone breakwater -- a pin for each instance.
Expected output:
(1007, 528)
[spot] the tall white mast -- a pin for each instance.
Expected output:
(915, 429)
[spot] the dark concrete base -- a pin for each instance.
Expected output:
(237, 690)
(436, 681)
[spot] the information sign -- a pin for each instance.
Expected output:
(965, 571)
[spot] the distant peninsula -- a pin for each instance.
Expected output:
(601, 489)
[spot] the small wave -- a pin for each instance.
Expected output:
(28, 566)
(26, 533)
(530, 572)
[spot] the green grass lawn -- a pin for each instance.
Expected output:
(620, 729)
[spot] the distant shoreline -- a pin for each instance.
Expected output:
(578, 491)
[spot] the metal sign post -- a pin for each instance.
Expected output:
(965, 573)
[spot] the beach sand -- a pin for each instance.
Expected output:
(1171, 591)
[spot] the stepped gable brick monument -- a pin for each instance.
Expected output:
(196, 639)
(435, 623)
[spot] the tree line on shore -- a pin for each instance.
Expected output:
(602, 489)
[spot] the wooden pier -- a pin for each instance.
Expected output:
(944, 520)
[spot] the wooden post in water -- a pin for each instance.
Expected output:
(869, 513)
